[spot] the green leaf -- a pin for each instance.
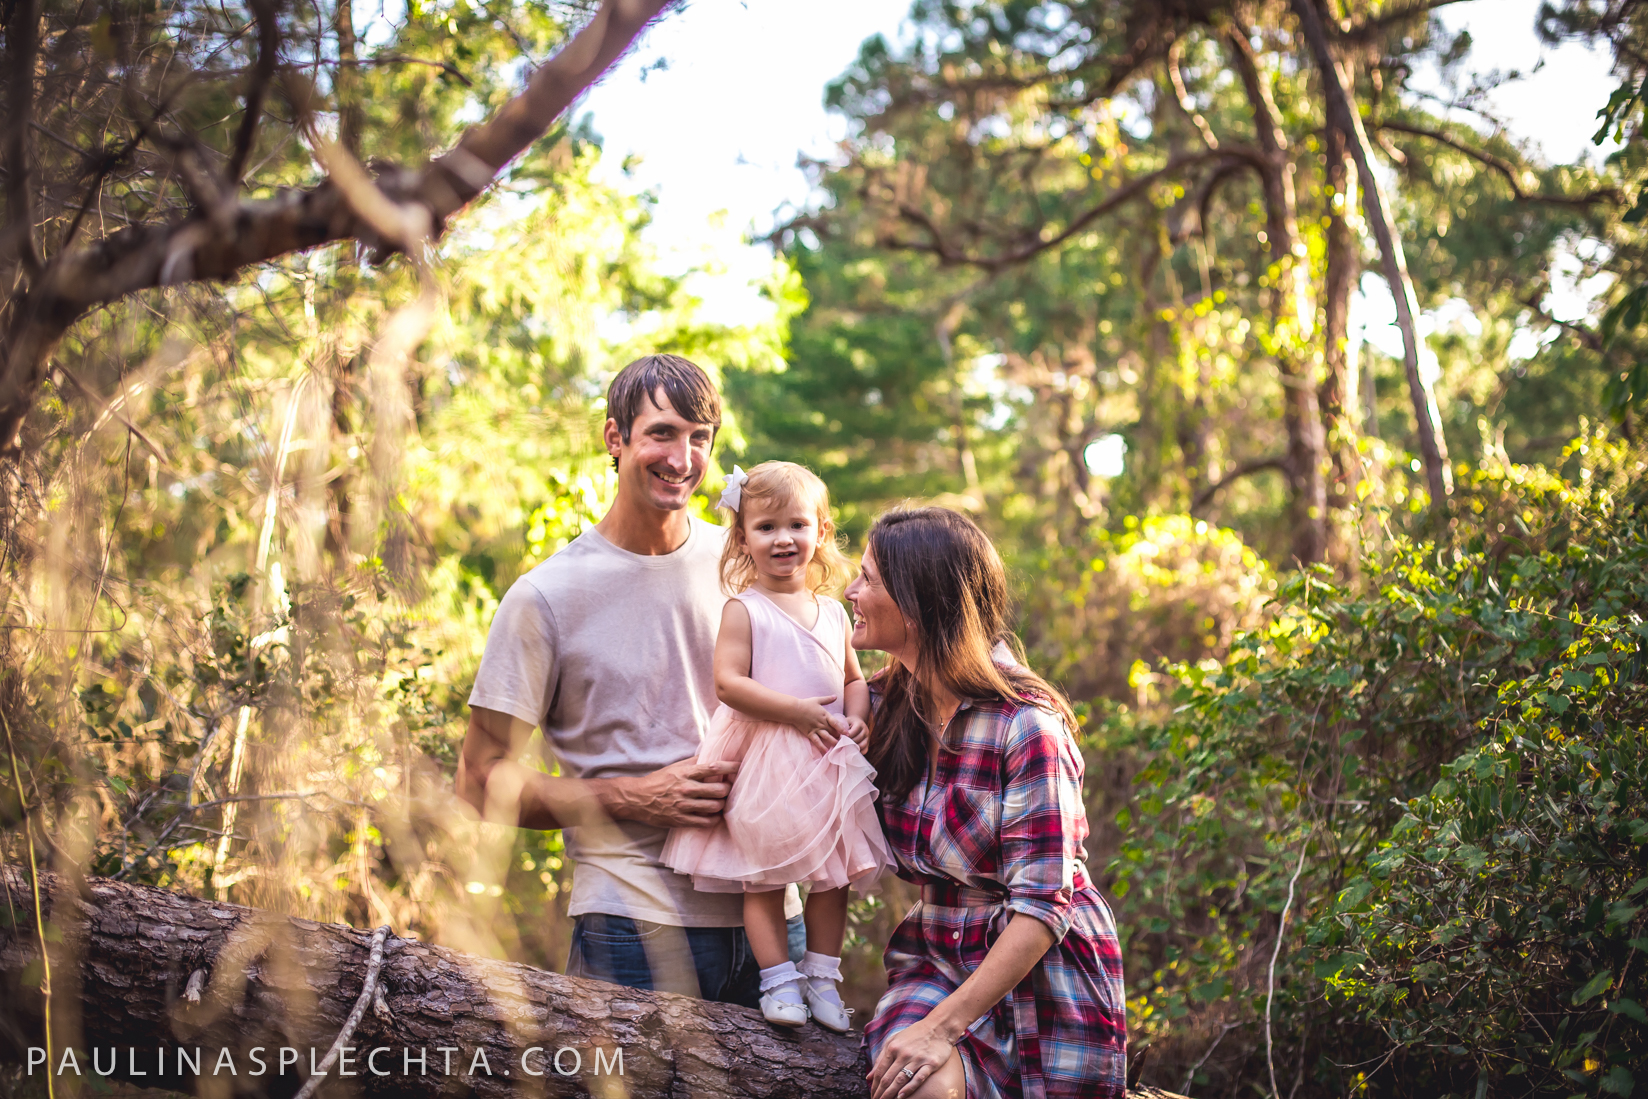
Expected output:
(1354, 894)
(1639, 211)
(1619, 1081)
(1595, 987)
(1630, 1009)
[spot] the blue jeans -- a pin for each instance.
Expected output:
(711, 963)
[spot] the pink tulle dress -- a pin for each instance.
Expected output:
(796, 813)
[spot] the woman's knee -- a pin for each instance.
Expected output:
(948, 1081)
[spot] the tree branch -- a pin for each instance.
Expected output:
(1502, 166)
(1246, 469)
(1175, 74)
(265, 13)
(1592, 340)
(22, 44)
(1273, 145)
(1369, 28)
(1427, 417)
(144, 257)
(953, 257)
(108, 409)
(456, 178)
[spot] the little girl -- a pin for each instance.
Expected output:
(802, 807)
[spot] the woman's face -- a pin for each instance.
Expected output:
(877, 621)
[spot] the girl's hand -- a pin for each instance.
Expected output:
(815, 721)
(920, 1048)
(854, 729)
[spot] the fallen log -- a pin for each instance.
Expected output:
(170, 991)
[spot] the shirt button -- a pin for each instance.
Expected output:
(957, 935)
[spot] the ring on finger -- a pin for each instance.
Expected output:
(907, 1072)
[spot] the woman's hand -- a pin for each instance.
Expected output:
(920, 1048)
(816, 722)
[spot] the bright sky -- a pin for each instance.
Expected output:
(720, 127)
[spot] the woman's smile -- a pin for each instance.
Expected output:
(877, 621)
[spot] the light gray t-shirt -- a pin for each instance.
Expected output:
(610, 653)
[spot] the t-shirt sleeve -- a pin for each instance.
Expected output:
(518, 669)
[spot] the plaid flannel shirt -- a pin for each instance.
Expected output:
(1002, 818)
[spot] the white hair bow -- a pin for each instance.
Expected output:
(733, 495)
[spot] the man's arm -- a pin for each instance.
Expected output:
(503, 791)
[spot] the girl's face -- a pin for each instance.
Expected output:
(877, 621)
(780, 538)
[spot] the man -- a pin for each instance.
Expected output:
(608, 647)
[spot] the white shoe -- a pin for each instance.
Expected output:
(827, 1013)
(777, 1007)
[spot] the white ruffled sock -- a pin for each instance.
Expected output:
(783, 981)
(822, 972)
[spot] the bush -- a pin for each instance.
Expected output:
(1282, 777)
(1500, 935)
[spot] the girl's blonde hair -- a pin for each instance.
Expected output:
(784, 483)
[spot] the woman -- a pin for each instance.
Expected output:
(1006, 979)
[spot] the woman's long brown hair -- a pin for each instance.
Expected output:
(946, 577)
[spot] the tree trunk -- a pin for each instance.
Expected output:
(1290, 318)
(1433, 447)
(266, 983)
(274, 982)
(1340, 392)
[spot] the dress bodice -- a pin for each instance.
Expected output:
(786, 656)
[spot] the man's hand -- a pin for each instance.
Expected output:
(502, 791)
(686, 794)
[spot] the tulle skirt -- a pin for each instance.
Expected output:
(795, 814)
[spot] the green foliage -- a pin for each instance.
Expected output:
(1414, 780)
(1308, 742)
(1169, 586)
(280, 592)
(1502, 924)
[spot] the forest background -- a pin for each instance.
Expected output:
(1357, 641)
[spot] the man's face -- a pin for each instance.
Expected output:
(666, 455)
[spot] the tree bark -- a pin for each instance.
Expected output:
(1433, 447)
(129, 954)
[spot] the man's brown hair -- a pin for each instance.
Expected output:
(683, 381)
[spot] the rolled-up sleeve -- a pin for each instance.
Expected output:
(1043, 822)
(518, 666)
